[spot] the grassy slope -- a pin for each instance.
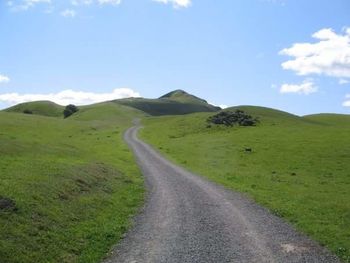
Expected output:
(340, 120)
(107, 112)
(174, 103)
(44, 108)
(75, 184)
(299, 167)
(184, 97)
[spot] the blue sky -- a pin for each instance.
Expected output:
(286, 54)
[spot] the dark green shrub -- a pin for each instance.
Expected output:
(70, 110)
(230, 118)
(27, 111)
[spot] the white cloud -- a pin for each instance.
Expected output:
(66, 97)
(4, 79)
(26, 4)
(329, 56)
(176, 3)
(69, 13)
(112, 2)
(81, 2)
(222, 106)
(90, 2)
(346, 103)
(23, 5)
(343, 81)
(306, 87)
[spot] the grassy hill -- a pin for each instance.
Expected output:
(174, 103)
(299, 166)
(183, 96)
(68, 186)
(330, 119)
(267, 114)
(107, 111)
(44, 108)
(177, 102)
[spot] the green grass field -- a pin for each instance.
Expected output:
(299, 167)
(75, 184)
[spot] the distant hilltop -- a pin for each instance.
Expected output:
(177, 102)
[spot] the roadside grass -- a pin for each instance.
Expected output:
(299, 167)
(74, 182)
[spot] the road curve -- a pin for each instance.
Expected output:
(188, 219)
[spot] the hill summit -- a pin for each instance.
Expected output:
(177, 102)
(182, 96)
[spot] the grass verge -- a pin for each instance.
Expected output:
(68, 187)
(298, 167)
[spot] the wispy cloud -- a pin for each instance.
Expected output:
(23, 5)
(176, 3)
(343, 81)
(82, 2)
(110, 2)
(69, 13)
(4, 79)
(306, 87)
(66, 97)
(91, 2)
(26, 4)
(346, 103)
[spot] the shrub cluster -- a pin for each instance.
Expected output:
(231, 118)
(26, 111)
(70, 110)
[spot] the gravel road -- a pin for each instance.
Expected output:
(188, 219)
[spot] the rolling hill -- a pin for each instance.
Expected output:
(107, 111)
(177, 102)
(74, 182)
(68, 186)
(267, 114)
(330, 119)
(44, 108)
(296, 166)
(183, 96)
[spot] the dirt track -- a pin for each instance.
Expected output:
(188, 219)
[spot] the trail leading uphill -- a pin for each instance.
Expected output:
(188, 219)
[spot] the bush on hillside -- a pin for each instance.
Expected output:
(230, 118)
(27, 111)
(70, 110)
